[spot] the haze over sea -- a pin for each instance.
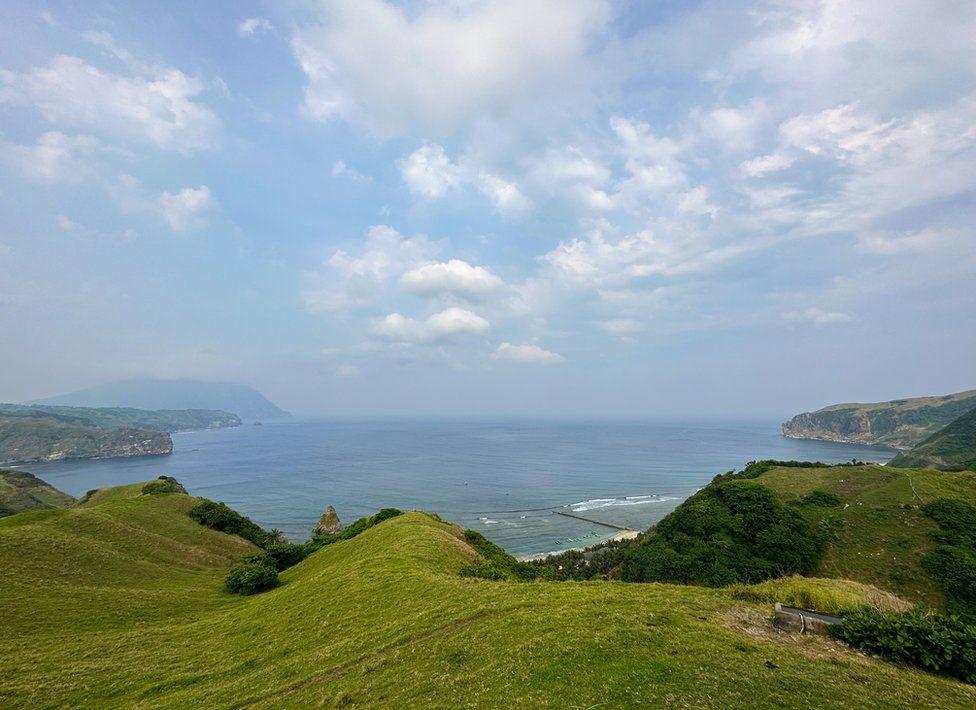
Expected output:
(502, 478)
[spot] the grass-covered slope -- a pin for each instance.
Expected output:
(20, 491)
(952, 448)
(879, 531)
(122, 605)
(901, 423)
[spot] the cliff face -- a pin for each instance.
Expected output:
(328, 524)
(41, 438)
(900, 423)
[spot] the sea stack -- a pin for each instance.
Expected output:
(328, 524)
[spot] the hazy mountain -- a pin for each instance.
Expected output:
(244, 401)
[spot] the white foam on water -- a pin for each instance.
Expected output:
(598, 503)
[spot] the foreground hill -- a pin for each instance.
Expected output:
(952, 448)
(39, 436)
(244, 401)
(20, 491)
(122, 604)
(900, 423)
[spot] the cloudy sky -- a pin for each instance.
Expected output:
(498, 207)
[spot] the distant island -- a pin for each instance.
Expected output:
(900, 423)
(242, 400)
(33, 433)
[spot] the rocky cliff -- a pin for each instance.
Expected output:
(328, 524)
(900, 423)
(45, 438)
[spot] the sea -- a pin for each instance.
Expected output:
(513, 481)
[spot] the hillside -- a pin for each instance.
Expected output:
(49, 437)
(168, 420)
(952, 448)
(244, 401)
(121, 604)
(900, 423)
(20, 491)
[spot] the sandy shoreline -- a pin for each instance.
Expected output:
(622, 535)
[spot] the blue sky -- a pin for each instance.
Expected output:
(562, 207)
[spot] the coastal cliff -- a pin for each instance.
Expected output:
(27, 439)
(900, 423)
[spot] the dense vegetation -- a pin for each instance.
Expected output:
(123, 604)
(163, 484)
(901, 423)
(168, 420)
(937, 643)
(20, 491)
(950, 449)
(953, 561)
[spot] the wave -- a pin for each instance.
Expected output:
(598, 503)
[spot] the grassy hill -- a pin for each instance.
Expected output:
(122, 604)
(900, 423)
(952, 448)
(20, 491)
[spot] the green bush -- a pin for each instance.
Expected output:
(820, 499)
(940, 644)
(163, 484)
(249, 577)
(496, 563)
(227, 520)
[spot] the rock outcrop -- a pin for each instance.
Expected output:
(328, 524)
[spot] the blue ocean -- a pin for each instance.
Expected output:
(505, 479)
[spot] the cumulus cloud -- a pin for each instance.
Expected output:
(163, 107)
(355, 279)
(455, 276)
(695, 201)
(429, 172)
(440, 326)
(438, 66)
(528, 353)
(763, 164)
(187, 208)
(254, 26)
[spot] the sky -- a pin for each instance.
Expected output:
(577, 208)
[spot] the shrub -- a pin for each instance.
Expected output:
(163, 484)
(953, 561)
(496, 563)
(249, 577)
(939, 644)
(227, 520)
(820, 499)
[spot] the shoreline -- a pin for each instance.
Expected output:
(622, 535)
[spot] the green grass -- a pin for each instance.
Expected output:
(952, 448)
(122, 605)
(828, 596)
(21, 491)
(881, 534)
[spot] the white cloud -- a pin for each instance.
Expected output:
(439, 66)
(573, 174)
(47, 18)
(527, 353)
(385, 254)
(429, 172)
(254, 26)
(440, 326)
(187, 208)
(163, 106)
(763, 164)
(695, 201)
(733, 128)
(454, 276)
(653, 163)
(54, 156)
(347, 370)
(339, 168)
(818, 316)
(623, 326)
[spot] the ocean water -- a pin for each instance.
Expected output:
(505, 479)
